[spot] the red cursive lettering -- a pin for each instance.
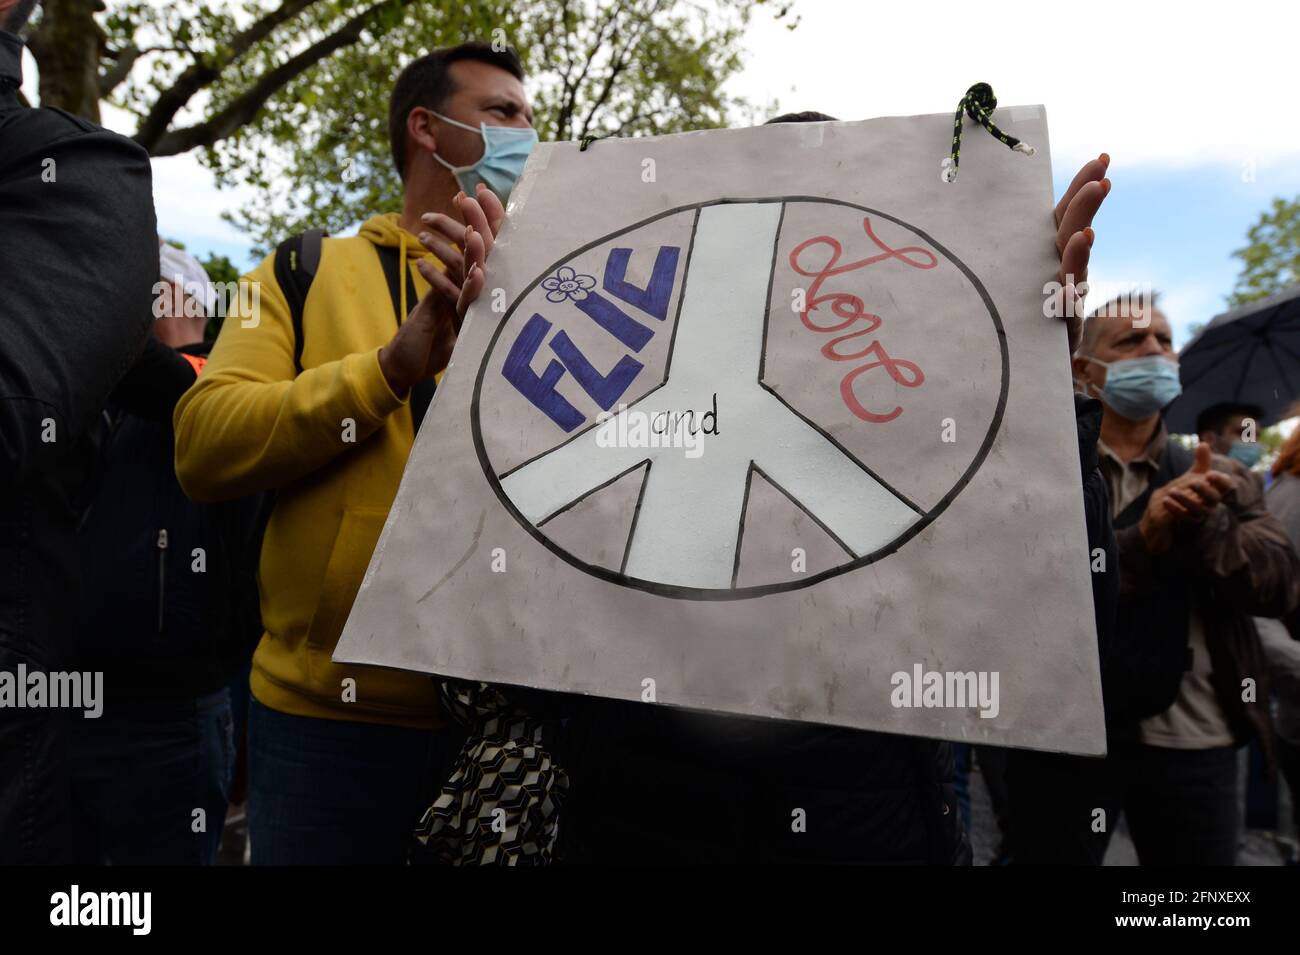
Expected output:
(851, 309)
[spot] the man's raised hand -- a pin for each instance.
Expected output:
(1074, 238)
(423, 344)
(482, 213)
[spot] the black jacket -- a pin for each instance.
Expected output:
(169, 606)
(79, 245)
(1101, 529)
(78, 261)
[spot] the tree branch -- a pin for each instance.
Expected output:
(629, 121)
(121, 68)
(618, 63)
(571, 97)
(244, 108)
(203, 72)
(562, 27)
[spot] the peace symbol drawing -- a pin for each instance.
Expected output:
(741, 397)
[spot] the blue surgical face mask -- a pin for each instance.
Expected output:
(1247, 452)
(1137, 388)
(505, 150)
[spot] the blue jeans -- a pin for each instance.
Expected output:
(336, 792)
(142, 772)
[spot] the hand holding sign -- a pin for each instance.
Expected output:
(424, 342)
(1074, 237)
(482, 213)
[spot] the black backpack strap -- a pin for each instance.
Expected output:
(422, 393)
(296, 261)
(392, 271)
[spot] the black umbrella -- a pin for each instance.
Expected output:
(1249, 356)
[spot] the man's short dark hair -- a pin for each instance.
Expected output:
(16, 18)
(426, 82)
(807, 116)
(1214, 418)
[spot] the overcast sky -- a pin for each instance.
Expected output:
(1198, 115)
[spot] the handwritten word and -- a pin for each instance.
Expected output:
(637, 428)
(852, 313)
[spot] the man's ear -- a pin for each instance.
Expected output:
(420, 130)
(1079, 368)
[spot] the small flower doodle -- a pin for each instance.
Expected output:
(566, 283)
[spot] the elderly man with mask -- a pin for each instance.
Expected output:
(1184, 681)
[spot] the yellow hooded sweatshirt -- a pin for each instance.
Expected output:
(332, 442)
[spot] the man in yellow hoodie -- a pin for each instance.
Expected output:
(323, 410)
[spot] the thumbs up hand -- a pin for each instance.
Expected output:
(1202, 463)
(1185, 501)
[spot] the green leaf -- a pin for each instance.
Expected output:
(1271, 259)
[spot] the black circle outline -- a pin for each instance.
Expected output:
(742, 593)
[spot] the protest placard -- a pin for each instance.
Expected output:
(766, 421)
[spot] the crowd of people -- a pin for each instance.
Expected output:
(193, 520)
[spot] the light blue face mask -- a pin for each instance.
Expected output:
(1137, 388)
(1247, 452)
(505, 150)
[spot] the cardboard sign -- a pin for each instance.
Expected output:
(766, 421)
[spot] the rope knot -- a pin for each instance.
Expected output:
(979, 99)
(979, 104)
